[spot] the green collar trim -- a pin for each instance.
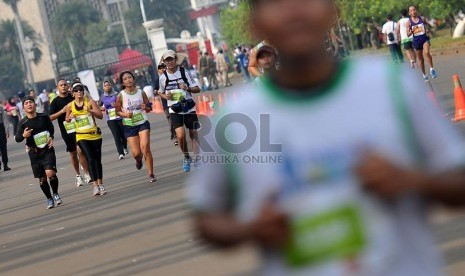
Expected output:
(280, 95)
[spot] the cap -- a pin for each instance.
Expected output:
(28, 98)
(266, 49)
(169, 54)
(21, 94)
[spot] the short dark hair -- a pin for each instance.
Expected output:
(161, 66)
(404, 12)
(121, 78)
(389, 17)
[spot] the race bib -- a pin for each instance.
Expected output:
(418, 30)
(138, 118)
(70, 127)
(332, 234)
(84, 122)
(41, 139)
(112, 114)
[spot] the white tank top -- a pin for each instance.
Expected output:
(132, 103)
(403, 31)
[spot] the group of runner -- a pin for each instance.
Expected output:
(412, 32)
(125, 113)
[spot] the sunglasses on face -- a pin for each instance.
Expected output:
(78, 90)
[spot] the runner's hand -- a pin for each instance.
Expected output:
(143, 106)
(183, 86)
(385, 179)
(27, 133)
(271, 229)
(168, 97)
(50, 143)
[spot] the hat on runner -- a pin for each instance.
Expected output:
(266, 49)
(28, 98)
(21, 94)
(76, 84)
(169, 54)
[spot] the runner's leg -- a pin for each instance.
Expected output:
(144, 137)
(427, 54)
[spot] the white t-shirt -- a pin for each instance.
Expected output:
(148, 89)
(390, 27)
(173, 88)
(303, 155)
(402, 24)
(44, 97)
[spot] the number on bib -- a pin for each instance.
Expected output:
(41, 139)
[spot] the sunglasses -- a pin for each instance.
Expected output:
(78, 90)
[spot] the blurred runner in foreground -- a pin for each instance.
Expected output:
(329, 168)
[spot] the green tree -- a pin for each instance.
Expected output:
(233, 21)
(70, 22)
(98, 36)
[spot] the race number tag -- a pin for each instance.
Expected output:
(70, 127)
(112, 114)
(329, 235)
(41, 139)
(84, 122)
(138, 118)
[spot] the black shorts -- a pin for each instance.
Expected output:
(132, 131)
(191, 121)
(70, 141)
(42, 160)
(408, 45)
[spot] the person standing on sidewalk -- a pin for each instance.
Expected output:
(13, 113)
(131, 105)
(349, 195)
(421, 41)
(39, 132)
(114, 122)
(212, 79)
(202, 66)
(177, 87)
(391, 39)
(83, 111)
(406, 41)
(4, 135)
(223, 68)
(68, 132)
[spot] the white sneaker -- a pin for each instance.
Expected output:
(79, 181)
(96, 191)
(102, 190)
(121, 156)
(87, 178)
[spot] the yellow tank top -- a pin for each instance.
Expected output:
(86, 128)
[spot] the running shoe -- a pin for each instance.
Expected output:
(433, 73)
(186, 164)
(6, 168)
(139, 163)
(96, 191)
(87, 178)
(57, 199)
(425, 77)
(79, 181)
(152, 178)
(102, 190)
(175, 143)
(121, 156)
(50, 203)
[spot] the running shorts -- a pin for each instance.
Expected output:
(42, 160)
(131, 131)
(419, 41)
(70, 141)
(408, 45)
(191, 121)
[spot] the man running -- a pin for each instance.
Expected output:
(405, 40)
(177, 86)
(58, 112)
(421, 41)
(166, 109)
(344, 193)
(38, 131)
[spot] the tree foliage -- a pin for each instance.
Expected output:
(234, 22)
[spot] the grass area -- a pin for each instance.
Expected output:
(442, 39)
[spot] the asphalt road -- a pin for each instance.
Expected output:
(142, 228)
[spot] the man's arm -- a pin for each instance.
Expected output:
(253, 64)
(409, 28)
(19, 132)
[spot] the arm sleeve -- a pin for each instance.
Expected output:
(162, 83)
(51, 128)
(19, 132)
(53, 108)
(440, 143)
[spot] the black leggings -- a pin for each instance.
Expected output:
(92, 149)
(116, 127)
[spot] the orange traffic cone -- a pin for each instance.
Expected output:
(459, 96)
(157, 106)
(220, 101)
(199, 107)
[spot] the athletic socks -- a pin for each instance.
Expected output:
(54, 184)
(45, 188)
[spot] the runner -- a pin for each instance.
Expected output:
(177, 86)
(83, 111)
(406, 41)
(38, 131)
(131, 105)
(421, 43)
(166, 109)
(344, 193)
(114, 122)
(39, 103)
(58, 112)
(392, 40)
